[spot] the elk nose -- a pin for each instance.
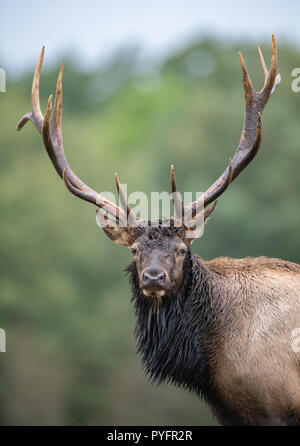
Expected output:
(154, 277)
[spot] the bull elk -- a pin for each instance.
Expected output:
(220, 328)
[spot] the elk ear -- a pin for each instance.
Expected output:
(116, 233)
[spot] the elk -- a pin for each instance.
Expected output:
(220, 328)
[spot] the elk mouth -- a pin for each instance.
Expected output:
(154, 291)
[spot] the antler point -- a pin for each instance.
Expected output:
(117, 181)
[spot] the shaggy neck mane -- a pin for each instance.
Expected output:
(172, 334)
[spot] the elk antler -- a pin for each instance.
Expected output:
(51, 131)
(250, 138)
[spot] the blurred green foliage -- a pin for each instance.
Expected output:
(65, 302)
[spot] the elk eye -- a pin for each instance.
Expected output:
(133, 251)
(182, 251)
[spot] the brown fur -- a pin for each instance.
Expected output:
(255, 372)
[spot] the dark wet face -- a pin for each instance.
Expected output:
(159, 263)
(159, 251)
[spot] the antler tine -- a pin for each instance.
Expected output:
(248, 87)
(209, 211)
(252, 128)
(53, 142)
(56, 127)
(51, 130)
(173, 180)
(35, 95)
(55, 147)
(46, 131)
(263, 64)
(176, 197)
(35, 116)
(124, 203)
(181, 210)
(271, 74)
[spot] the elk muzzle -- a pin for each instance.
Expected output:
(154, 281)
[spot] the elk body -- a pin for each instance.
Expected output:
(221, 328)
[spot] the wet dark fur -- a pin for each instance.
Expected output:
(163, 331)
(173, 339)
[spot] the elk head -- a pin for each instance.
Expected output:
(159, 250)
